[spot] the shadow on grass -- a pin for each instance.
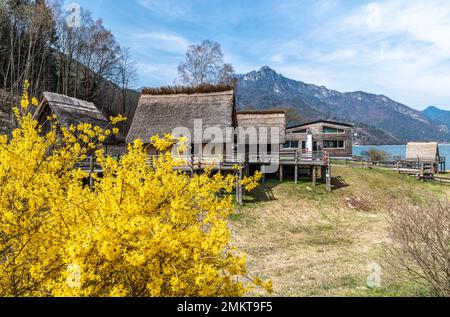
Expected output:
(264, 193)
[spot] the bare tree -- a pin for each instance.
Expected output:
(420, 246)
(227, 75)
(204, 65)
(127, 75)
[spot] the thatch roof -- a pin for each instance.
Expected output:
(71, 110)
(160, 114)
(188, 90)
(264, 119)
(419, 151)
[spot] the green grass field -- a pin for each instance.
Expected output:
(311, 242)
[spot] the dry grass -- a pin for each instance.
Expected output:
(314, 243)
(173, 90)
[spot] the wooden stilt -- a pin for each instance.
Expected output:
(296, 174)
(192, 165)
(91, 172)
(328, 171)
(323, 174)
(240, 187)
(314, 175)
(281, 173)
(263, 174)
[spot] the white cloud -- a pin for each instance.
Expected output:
(163, 41)
(400, 48)
(337, 55)
(425, 21)
(166, 8)
(159, 74)
(322, 7)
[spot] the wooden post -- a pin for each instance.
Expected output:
(296, 167)
(239, 188)
(422, 171)
(314, 175)
(323, 174)
(91, 171)
(281, 173)
(192, 164)
(328, 171)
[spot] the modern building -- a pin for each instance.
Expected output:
(335, 138)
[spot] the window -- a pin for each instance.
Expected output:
(291, 145)
(302, 131)
(332, 130)
(333, 144)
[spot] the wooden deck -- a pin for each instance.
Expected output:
(315, 161)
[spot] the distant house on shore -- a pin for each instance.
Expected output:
(335, 138)
(422, 151)
(161, 111)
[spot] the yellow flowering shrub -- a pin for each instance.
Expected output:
(140, 231)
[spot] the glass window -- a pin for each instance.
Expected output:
(291, 145)
(332, 130)
(302, 131)
(334, 144)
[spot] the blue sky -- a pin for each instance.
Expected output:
(399, 48)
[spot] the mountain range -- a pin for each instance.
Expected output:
(438, 115)
(377, 118)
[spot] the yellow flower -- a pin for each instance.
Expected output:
(34, 102)
(153, 230)
(118, 119)
(24, 103)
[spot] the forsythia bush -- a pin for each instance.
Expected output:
(141, 231)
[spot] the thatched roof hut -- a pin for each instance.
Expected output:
(161, 111)
(70, 111)
(264, 119)
(424, 152)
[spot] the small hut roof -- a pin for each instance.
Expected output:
(422, 151)
(264, 119)
(72, 111)
(160, 114)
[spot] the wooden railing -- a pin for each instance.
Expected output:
(201, 161)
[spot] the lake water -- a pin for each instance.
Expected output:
(400, 150)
